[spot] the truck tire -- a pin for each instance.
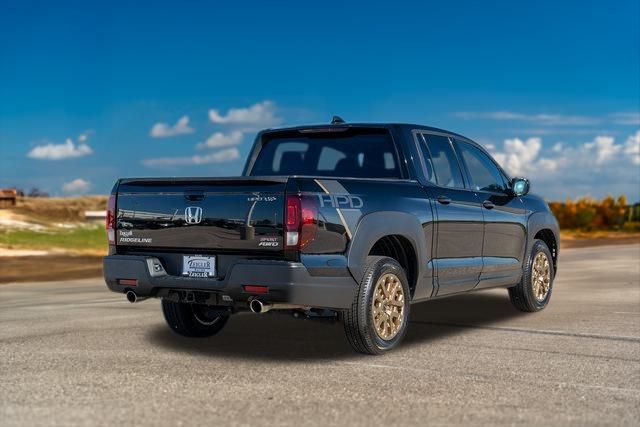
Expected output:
(193, 320)
(379, 314)
(534, 290)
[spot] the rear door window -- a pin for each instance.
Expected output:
(444, 162)
(426, 157)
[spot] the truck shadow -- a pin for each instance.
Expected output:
(275, 337)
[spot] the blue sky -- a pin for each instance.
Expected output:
(92, 92)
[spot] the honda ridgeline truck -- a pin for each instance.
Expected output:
(354, 221)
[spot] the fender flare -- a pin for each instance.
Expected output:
(540, 221)
(376, 225)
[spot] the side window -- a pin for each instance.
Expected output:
(428, 164)
(484, 174)
(443, 160)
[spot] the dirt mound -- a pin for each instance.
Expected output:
(68, 209)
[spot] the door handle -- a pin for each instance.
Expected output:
(444, 200)
(488, 204)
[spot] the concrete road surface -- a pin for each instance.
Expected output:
(75, 354)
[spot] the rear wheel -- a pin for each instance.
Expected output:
(534, 290)
(193, 320)
(378, 317)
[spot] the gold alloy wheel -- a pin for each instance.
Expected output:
(387, 307)
(541, 276)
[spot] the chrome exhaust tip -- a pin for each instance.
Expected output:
(259, 307)
(133, 297)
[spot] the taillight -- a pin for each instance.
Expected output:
(110, 221)
(301, 221)
(309, 221)
(256, 289)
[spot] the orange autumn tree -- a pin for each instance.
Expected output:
(590, 214)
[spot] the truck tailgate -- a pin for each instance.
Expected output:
(219, 214)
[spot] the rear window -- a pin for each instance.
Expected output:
(353, 153)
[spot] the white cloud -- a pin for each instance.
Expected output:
(632, 147)
(219, 139)
(237, 120)
(541, 119)
(518, 154)
(260, 114)
(222, 156)
(598, 167)
(77, 186)
(547, 119)
(163, 130)
(84, 136)
(630, 118)
(605, 148)
(67, 150)
(559, 130)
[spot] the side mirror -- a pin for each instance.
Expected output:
(520, 186)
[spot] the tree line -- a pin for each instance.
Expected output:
(587, 213)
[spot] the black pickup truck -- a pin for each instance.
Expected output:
(350, 221)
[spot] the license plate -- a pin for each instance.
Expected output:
(199, 266)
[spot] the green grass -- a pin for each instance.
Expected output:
(81, 239)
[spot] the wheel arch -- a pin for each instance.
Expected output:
(402, 250)
(393, 234)
(543, 226)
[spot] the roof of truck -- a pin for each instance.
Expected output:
(328, 126)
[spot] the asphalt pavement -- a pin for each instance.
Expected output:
(75, 354)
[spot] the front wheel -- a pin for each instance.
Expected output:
(378, 317)
(534, 290)
(193, 320)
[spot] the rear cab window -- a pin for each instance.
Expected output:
(352, 152)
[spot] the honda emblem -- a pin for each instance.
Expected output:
(193, 215)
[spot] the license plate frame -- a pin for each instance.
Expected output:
(199, 266)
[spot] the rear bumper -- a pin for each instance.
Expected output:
(288, 282)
